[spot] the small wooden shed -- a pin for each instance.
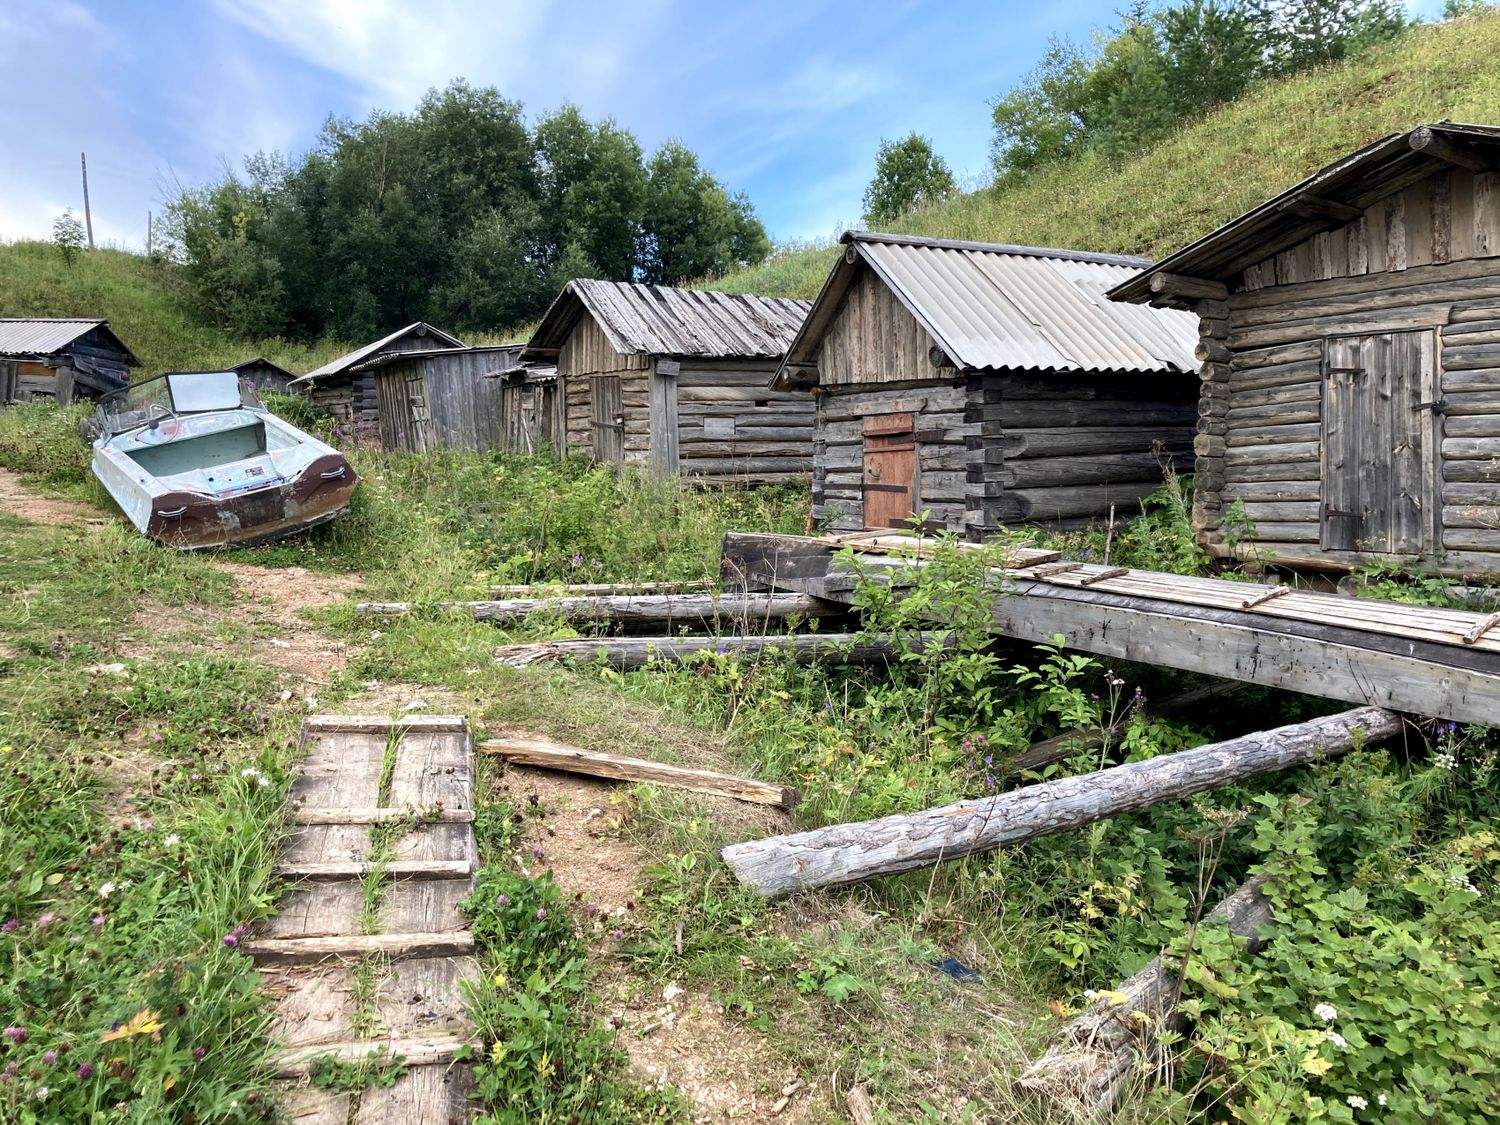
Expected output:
(531, 409)
(349, 396)
(442, 399)
(264, 374)
(60, 360)
(987, 386)
(676, 379)
(1350, 400)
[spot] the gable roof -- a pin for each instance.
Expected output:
(345, 362)
(1315, 204)
(994, 306)
(506, 355)
(665, 321)
(43, 336)
(260, 359)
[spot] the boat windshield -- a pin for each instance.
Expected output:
(178, 392)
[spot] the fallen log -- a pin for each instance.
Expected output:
(554, 756)
(850, 853)
(1061, 747)
(1099, 1049)
(594, 589)
(633, 609)
(638, 652)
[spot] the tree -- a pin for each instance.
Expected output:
(68, 237)
(1045, 117)
(907, 174)
(690, 225)
(1214, 52)
(593, 189)
(1307, 33)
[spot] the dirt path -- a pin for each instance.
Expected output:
(679, 1035)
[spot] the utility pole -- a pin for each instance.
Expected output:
(148, 234)
(88, 216)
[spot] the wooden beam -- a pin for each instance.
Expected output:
(378, 724)
(571, 759)
(638, 652)
(632, 609)
(851, 853)
(1098, 1051)
(594, 589)
(395, 869)
(310, 950)
(418, 1050)
(1428, 141)
(1183, 288)
(310, 815)
(1310, 206)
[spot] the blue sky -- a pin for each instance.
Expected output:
(784, 100)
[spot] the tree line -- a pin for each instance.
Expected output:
(459, 213)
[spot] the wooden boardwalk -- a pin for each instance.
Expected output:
(1419, 659)
(369, 948)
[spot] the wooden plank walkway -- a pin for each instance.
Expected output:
(1419, 659)
(369, 949)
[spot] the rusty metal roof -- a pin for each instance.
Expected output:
(664, 321)
(1357, 180)
(1000, 307)
(338, 366)
(42, 336)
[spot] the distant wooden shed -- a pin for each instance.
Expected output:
(264, 374)
(60, 360)
(987, 386)
(676, 379)
(531, 409)
(1350, 399)
(442, 399)
(349, 396)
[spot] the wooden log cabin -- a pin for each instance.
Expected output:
(447, 398)
(264, 375)
(60, 360)
(1349, 407)
(987, 386)
(531, 409)
(676, 380)
(350, 396)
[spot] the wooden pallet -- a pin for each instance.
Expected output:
(389, 800)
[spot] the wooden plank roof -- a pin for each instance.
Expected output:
(662, 320)
(439, 338)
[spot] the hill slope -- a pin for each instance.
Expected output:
(1215, 168)
(144, 304)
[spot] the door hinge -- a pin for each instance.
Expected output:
(1330, 510)
(1329, 372)
(1438, 406)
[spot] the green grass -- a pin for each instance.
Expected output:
(146, 303)
(1213, 169)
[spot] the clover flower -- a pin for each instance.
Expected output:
(45, 920)
(502, 900)
(541, 912)
(106, 890)
(42, 1093)
(199, 1052)
(171, 841)
(1325, 1012)
(17, 1035)
(49, 1057)
(86, 1071)
(10, 927)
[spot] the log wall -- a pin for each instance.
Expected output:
(732, 427)
(1420, 260)
(586, 353)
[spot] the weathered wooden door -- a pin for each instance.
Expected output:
(607, 419)
(890, 454)
(1380, 443)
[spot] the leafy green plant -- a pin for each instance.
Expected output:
(341, 1076)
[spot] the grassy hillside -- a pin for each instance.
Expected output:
(144, 303)
(1213, 169)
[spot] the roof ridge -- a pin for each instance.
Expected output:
(1131, 260)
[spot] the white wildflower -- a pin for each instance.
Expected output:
(1326, 1012)
(172, 840)
(1380, 1100)
(1090, 994)
(1357, 1102)
(42, 1093)
(106, 890)
(249, 771)
(1445, 761)
(263, 781)
(1337, 1040)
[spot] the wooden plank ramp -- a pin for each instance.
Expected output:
(1419, 659)
(368, 951)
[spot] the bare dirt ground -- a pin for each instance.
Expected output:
(675, 1034)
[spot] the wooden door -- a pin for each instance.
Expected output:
(1380, 443)
(607, 419)
(890, 455)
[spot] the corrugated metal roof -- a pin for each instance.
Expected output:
(1359, 179)
(345, 362)
(665, 321)
(41, 336)
(1012, 307)
(506, 361)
